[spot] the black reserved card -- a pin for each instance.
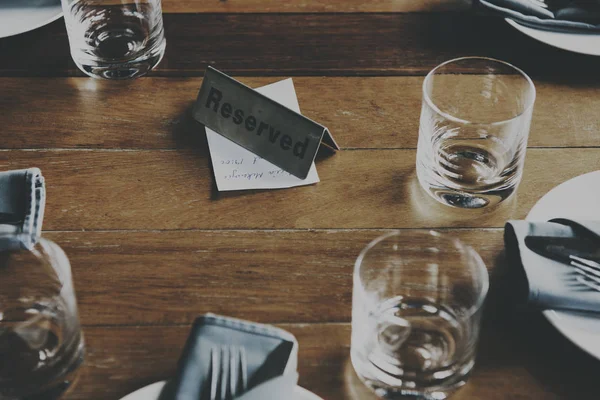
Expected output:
(268, 129)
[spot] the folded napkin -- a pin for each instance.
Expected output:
(542, 282)
(271, 356)
(22, 202)
(556, 15)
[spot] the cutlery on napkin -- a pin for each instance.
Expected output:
(543, 279)
(270, 360)
(554, 15)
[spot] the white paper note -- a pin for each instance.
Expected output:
(236, 168)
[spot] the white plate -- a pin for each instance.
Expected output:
(584, 43)
(151, 392)
(18, 16)
(578, 198)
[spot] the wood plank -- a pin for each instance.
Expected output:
(153, 113)
(274, 6)
(174, 189)
(519, 358)
(125, 278)
(314, 44)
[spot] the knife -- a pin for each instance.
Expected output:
(563, 248)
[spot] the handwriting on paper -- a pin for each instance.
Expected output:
(236, 168)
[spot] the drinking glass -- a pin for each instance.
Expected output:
(41, 344)
(475, 119)
(416, 309)
(115, 39)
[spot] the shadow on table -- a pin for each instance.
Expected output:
(514, 338)
(450, 35)
(189, 134)
(432, 213)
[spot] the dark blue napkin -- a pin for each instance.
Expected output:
(22, 203)
(544, 283)
(271, 355)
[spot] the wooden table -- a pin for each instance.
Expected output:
(153, 244)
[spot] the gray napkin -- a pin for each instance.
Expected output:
(22, 203)
(558, 15)
(271, 355)
(541, 282)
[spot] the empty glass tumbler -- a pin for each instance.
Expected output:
(41, 345)
(115, 39)
(416, 309)
(475, 120)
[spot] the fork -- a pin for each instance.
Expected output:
(588, 270)
(228, 372)
(539, 3)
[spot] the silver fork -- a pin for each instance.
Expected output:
(539, 3)
(589, 272)
(229, 372)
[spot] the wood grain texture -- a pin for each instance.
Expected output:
(520, 357)
(337, 6)
(150, 278)
(126, 161)
(173, 189)
(153, 113)
(314, 44)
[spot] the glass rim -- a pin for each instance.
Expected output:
(480, 265)
(450, 117)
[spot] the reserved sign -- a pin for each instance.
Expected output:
(268, 129)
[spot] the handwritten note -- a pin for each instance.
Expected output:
(236, 168)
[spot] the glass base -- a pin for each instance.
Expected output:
(42, 385)
(123, 70)
(470, 199)
(412, 394)
(408, 388)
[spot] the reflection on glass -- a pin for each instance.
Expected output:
(416, 311)
(475, 121)
(115, 39)
(41, 345)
